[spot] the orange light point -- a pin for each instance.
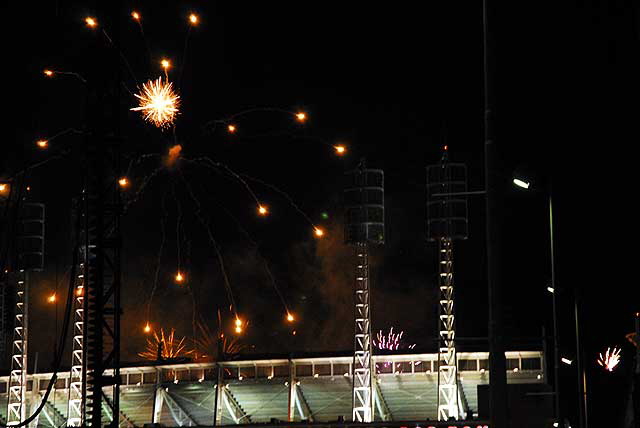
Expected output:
(91, 22)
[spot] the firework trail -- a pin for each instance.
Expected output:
(164, 347)
(610, 359)
(389, 342)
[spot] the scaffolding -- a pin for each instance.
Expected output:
(16, 403)
(77, 391)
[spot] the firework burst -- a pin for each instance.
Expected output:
(164, 347)
(158, 102)
(206, 345)
(610, 359)
(389, 342)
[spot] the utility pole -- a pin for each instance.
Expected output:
(497, 360)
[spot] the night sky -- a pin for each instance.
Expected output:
(394, 83)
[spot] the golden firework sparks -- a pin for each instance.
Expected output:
(610, 359)
(158, 102)
(164, 347)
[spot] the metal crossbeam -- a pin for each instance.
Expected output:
(16, 403)
(362, 402)
(179, 415)
(233, 407)
(381, 403)
(448, 400)
(301, 404)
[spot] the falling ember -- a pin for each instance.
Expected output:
(52, 298)
(173, 155)
(135, 15)
(3, 187)
(290, 317)
(179, 277)
(91, 22)
(193, 19)
(301, 116)
(48, 73)
(340, 149)
(165, 63)
(610, 359)
(123, 182)
(319, 232)
(231, 129)
(147, 328)
(42, 144)
(79, 291)
(262, 210)
(158, 102)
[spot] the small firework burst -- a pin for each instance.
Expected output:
(389, 342)
(158, 102)
(164, 347)
(206, 344)
(610, 359)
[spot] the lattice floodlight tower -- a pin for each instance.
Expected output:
(30, 237)
(364, 225)
(447, 220)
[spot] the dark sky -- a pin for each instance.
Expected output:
(394, 82)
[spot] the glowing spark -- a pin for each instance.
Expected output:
(165, 63)
(3, 187)
(123, 182)
(48, 73)
(290, 317)
(147, 328)
(319, 232)
(231, 129)
(179, 277)
(610, 359)
(135, 15)
(262, 210)
(52, 298)
(158, 102)
(340, 149)
(173, 155)
(42, 144)
(389, 342)
(238, 323)
(301, 116)
(91, 22)
(79, 291)
(193, 19)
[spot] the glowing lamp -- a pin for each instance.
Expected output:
(91, 22)
(42, 144)
(551, 290)
(521, 183)
(123, 182)
(566, 361)
(193, 19)
(340, 149)
(301, 116)
(48, 73)
(231, 129)
(179, 277)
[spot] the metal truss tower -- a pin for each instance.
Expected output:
(30, 258)
(364, 225)
(446, 221)
(16, 403)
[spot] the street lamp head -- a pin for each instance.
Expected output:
(551, 290)
(566, 361)
(521, 183)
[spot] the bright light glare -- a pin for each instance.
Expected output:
(566, 361)
(610, 359)
(301, 116)
(91, 22)
(290, 317)
(340, 149)
(158, 102)
(123, 182)
(135, 15)
(48, 73)
(147, 328)
(521, 183)
(165, 63)
(551, 289)
(3, 187)
(52, 298)
(231, 129)
(193, 18)
(319, 232)
(42, 144)
(262, 210)
(179, 277)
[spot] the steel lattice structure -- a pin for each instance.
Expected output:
(448, 406)
(362, 391)
(77, 379)
(16, 403)
(447, 221)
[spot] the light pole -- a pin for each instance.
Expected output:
(525, 184)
